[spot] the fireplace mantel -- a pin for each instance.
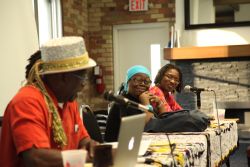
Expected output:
(207, 52)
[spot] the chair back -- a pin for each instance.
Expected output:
(91, 124)
(101, 118)
(121, 89)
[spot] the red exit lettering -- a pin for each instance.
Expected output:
(137, 5)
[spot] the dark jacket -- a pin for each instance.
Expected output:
(114, 119)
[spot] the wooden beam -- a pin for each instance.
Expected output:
(230, 2)
(207, 52)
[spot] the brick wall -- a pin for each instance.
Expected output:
(75, 17)
(75, 23)
(95, 20)
(229, 78)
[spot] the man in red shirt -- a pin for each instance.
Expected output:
(43, 118)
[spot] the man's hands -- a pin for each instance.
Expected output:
(52, 158)
(89, 145)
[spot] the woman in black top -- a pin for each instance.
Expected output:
(136, 89)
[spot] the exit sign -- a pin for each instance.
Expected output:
(138, 5)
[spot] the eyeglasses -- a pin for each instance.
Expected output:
(83, 78)
(138, 81)
(172, 78)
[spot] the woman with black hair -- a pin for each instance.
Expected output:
(167, 81)
(135, 88)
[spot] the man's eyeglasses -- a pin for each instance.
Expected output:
(83, 78)
(138, 81)
(172, 78)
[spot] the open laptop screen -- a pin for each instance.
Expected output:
(129, 140)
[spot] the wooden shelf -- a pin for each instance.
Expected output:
(207, 52)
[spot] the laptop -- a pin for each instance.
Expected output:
(129, 140)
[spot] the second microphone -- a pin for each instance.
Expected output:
(124, 101)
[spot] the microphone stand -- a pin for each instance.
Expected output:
(198, 100)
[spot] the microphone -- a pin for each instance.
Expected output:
(124, 101)
(188, 88)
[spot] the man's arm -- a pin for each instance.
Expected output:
(42, 158)
(51, 158)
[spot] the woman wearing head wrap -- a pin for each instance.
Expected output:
(136, 88)
(167, 81)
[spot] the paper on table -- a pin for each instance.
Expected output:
(74, 158)
(144, 147)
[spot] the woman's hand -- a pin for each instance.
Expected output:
(144, 98)
(156, 102)
(149, 98)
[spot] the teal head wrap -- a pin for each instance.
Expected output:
(135, 70)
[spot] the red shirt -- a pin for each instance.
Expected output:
(167, 99)
(27, 123)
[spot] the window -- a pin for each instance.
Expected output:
(48, 19)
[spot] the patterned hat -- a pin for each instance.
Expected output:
(64, 55)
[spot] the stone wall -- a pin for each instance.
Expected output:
(229, 78)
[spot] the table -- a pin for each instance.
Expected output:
(209, 148)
